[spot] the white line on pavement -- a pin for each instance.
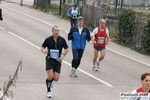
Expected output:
(128, 57)
(28, 16)
(2, 28)
(24, 40)
(63, 61)
(66, 31)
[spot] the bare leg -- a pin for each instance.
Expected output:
(95, 56)
(102, 55)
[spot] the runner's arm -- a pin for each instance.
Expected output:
(93, 34)
(78, 12)
(107, 38)
(88, 35)
(45, 51)
(69, 11)
(70, 36)
(65, 52)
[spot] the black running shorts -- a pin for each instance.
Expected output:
(99, 48)
(53, 64)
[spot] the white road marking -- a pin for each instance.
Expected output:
(24, 40)
(2, 28)
(63, 61)
(66, 31)
(128, 57)
(28, 16)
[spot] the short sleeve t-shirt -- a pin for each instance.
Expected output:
(58, 45)
(96, 31)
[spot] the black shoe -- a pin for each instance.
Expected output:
(1, 19)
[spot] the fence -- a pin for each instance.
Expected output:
(55, 1)
(40, 3)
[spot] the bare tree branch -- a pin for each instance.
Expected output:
(12, 81)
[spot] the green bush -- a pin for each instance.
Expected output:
(113, 32)
(126, 26)
(145, 40)
(54, 8)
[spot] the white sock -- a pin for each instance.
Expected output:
(98, 62)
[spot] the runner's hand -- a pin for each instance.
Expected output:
(88, 37)
(62, 57)
(71, 37)
(94, 42)
(106, 42)
(45, 51)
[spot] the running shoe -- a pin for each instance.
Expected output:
(71, 73)
(49, 95)
(98, 64)
(74, 73)
(95, 68)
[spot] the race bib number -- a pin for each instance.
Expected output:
(74, 16)
(54, 53)
(101, 40)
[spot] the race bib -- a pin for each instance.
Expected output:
(101, 40)
(74, 16)
(54, 53)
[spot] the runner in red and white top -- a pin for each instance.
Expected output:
(142, 93)
(101, 38)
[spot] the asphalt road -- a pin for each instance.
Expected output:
(22, 33)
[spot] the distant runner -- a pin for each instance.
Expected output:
(73, 14)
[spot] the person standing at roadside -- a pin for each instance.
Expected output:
(1, 12)
(73, 14)
(78, 36)
(101, 38)
(53, 46)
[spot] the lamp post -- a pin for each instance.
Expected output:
(121, 3)
(116, 3)
(60, 8)
(82, 6)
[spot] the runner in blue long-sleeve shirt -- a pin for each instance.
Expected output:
(73, 14)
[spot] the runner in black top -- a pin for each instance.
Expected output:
(53, 46)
